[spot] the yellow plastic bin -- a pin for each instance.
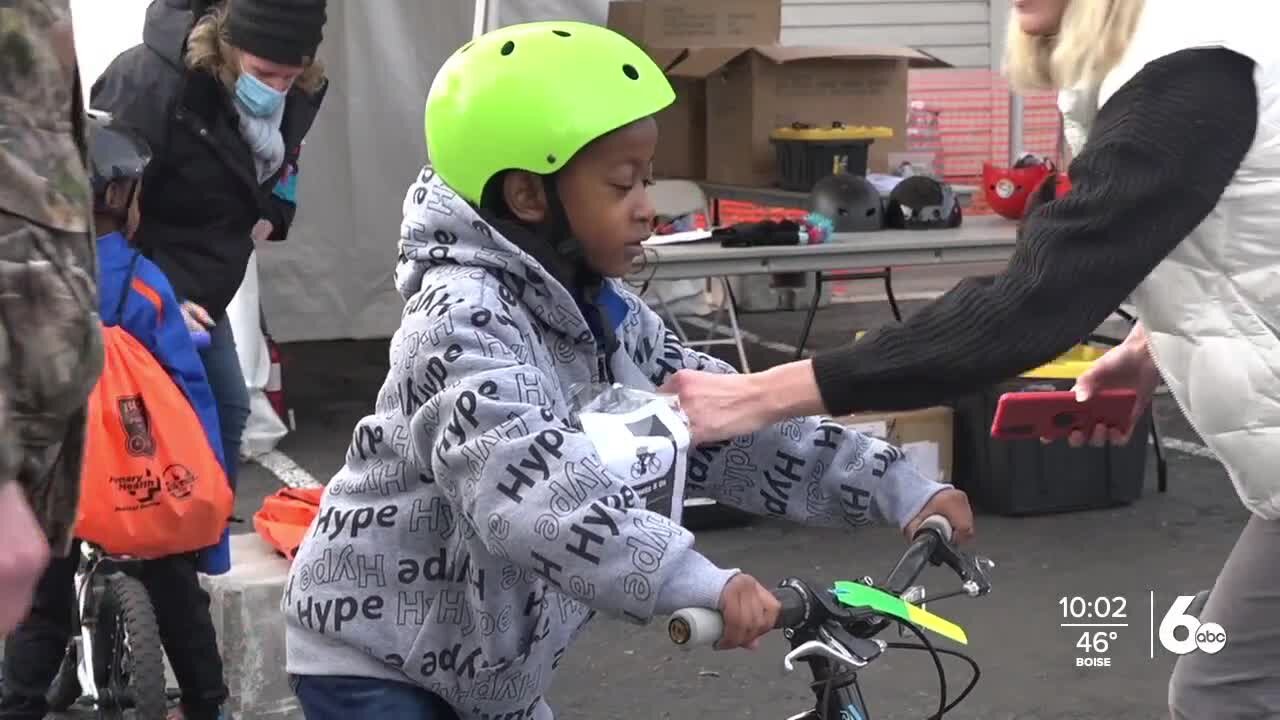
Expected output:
(1026, 477)
(806, 154)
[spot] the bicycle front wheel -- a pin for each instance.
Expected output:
(129, 659)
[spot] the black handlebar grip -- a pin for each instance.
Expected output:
(793, 607)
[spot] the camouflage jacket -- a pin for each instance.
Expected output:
(43, 173)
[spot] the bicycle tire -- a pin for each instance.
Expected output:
(65, 689)
(125, 601)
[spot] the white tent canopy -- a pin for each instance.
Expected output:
(333, 278)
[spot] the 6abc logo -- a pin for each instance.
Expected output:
(1206, 637)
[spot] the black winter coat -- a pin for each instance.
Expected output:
(200, 194)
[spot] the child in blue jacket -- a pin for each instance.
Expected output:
(130, 289)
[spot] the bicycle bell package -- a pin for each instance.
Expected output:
(849, 202)
(922, 203)
(643, 439)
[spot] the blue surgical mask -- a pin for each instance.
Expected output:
(260, 99)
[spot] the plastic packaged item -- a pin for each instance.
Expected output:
(642, 438)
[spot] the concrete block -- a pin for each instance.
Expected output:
(246, 613)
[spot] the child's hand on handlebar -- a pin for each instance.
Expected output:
(951, 504)
(749, 610)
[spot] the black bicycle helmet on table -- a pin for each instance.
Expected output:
(922, 203)
(851, 202)
(115, 153)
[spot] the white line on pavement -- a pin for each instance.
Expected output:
(1188, 447)
(286, 470)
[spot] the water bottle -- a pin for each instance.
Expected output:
(924, 134)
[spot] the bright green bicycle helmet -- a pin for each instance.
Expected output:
(529, 97)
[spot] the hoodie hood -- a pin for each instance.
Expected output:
(165, 30)
(440, 229)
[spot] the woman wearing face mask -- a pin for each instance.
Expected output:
(224, 95)
(1173, 109)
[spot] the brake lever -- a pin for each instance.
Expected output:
(863, 649)
(822, 649)
(972, 570)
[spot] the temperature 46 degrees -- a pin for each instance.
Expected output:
(1097, 643)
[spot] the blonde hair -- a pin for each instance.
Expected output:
(1090, 41)
(209, 50)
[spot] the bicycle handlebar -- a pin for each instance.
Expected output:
(693, 627)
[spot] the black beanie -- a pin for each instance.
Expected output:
(283, 31)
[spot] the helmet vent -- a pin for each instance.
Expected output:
(631, 72)
(508, 48)
(561, 33)
(551, 159)
(466, 47)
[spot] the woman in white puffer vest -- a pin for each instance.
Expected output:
(1173, 111)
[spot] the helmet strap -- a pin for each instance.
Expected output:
(557, 233)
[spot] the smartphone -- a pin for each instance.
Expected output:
(1055, 414)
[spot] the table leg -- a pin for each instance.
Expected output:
(813, 310)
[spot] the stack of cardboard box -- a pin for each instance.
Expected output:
(736, 83)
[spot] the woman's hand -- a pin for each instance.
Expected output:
(749, 610)
(1127, 366)
(196, 317)
(951, 504)
(261, 231)
(725, 406)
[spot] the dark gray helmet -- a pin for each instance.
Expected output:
(922, 203)
(115, 153)
(850, 202)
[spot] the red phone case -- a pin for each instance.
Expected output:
(1054, 414)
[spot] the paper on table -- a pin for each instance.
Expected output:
(677, 238)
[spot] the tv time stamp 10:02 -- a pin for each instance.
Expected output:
(1102, 620)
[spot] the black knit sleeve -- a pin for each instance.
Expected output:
(1162, 151)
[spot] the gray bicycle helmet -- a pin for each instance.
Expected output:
(850, 202)
(115, 153)
(922, 203)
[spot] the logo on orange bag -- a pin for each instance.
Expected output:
(137, 426)
(144, 489)
(179, 481)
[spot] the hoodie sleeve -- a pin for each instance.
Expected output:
(531, 485)
(809, 470)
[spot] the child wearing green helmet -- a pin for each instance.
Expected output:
(473, 530)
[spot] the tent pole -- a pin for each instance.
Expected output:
(481, 19)
(1017, 126)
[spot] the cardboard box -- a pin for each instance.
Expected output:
(735, 84)
(680, 24)
(754, 91)
(925, 435)
(666, 29)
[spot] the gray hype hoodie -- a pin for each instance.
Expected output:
(473, 531)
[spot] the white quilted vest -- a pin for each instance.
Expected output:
(1212, 308)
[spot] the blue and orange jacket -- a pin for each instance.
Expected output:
(134, 294)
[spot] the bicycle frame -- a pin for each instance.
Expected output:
(89, 590)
